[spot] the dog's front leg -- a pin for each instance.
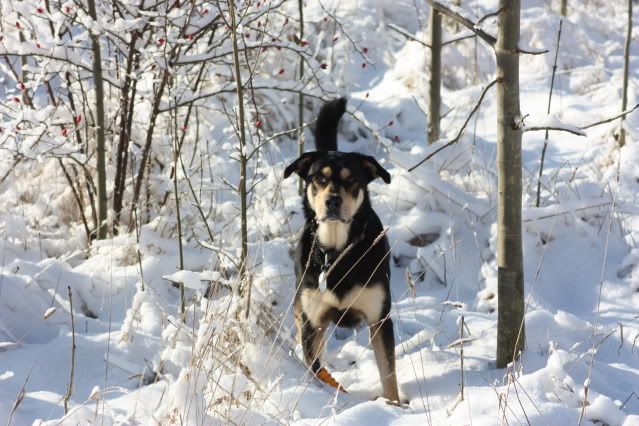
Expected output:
(312, 342)
(383, 342)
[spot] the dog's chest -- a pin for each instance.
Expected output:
(364, 300)
(333, 235)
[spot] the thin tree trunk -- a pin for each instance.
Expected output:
(99, 112)
(242, 156)
(149, 140)
(435, 81)
(123, 142)
(300, 112)
(626, 65)
(564, 7)
(510, 287)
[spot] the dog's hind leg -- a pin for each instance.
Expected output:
(383, 342)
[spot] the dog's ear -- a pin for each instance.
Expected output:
(374, 170)
(301, 165)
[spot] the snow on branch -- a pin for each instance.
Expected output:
(550, 122)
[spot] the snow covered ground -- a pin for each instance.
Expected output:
(137, 363)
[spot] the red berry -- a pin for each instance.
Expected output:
(183, 128)
(39, 10)
(190, 37)
(38, 45)
(67, 9)
(281, 71)
(304, 43)
(390, 123)
(396, 138)
(323, 66)
(365, 49)
(16, 99)
(258, 124)
(17, 25)
(161, 41)
(363, 64)
(21, 86)
(335, 38)
(367, 94)
(77, 119)
(65, 132)
(286, 21)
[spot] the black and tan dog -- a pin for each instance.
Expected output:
(342, 259)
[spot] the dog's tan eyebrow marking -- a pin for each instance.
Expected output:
(327, 171)
(344, 173)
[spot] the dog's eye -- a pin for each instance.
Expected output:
(321, 179)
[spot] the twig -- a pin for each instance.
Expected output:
(407, 35)
(626, 65)
(67, 396)
(21, 395)
(608, 120)
(456, 138)
(552, 85)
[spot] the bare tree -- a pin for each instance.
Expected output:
(242, 146)
(510, 286)
(434, 82)
(99, 130)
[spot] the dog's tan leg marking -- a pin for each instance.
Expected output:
(383, 343)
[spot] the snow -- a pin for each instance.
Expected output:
(138, 360)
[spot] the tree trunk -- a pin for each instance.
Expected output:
(242, 156)
(510, 287)
(434, 97)
(99, 130)
(300, 117)
(564, 7)
(626, 64)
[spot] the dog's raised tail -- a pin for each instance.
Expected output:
(327, 122)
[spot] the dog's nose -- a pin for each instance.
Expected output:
(334, 202)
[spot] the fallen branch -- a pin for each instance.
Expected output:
(461, 131)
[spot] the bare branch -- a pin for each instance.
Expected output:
(407, 35)
(608, 120)
(456, 138)
(574, 130)
(474, 27)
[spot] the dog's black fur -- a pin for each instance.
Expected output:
(339, 218)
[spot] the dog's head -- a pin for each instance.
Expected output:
(336, 182)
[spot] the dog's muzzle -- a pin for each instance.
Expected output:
(333, 208)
